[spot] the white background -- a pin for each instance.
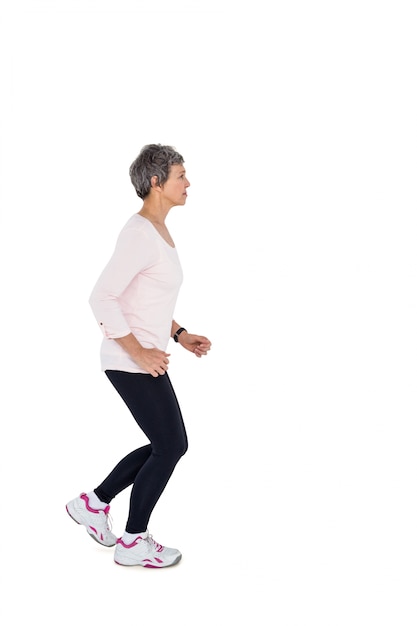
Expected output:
(296, 503)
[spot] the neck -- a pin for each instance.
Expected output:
(154, 212)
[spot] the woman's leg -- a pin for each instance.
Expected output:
(153, 404)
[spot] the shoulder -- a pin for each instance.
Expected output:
(136, 222)
(137, 241)
(136, 227)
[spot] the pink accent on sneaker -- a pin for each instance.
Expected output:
(84, 497)
(148, 563)
(129, 545)
(146, 557)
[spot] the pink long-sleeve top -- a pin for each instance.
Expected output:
(136, 293)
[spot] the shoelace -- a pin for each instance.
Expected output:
(156, 545)
(109, 520)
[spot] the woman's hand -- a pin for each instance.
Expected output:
(152, 360)
(197, 344)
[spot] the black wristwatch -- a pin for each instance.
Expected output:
(176, 335)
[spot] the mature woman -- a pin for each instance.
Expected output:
(133, 302)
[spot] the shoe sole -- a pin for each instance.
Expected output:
(148, 565)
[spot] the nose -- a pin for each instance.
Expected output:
(187, 182)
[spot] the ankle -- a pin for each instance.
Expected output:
(129, 538)
(94, 502)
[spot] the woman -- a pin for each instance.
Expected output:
(133, 302)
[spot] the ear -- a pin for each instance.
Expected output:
(155, 182)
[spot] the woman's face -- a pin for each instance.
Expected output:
(175, 188)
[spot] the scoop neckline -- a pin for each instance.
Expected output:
(156, 230)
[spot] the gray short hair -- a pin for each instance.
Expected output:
(153, 160)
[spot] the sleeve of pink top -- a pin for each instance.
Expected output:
(130, 256)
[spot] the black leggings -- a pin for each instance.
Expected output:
(153, 404)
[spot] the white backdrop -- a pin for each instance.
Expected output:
(296, 503)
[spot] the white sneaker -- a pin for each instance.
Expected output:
(96, 521)
(146, 552)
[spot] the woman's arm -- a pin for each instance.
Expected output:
(131, 255)
(198, 344)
